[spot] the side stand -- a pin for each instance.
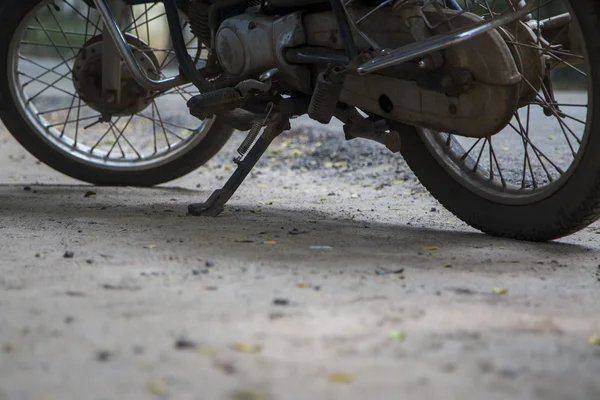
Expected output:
(214, 205)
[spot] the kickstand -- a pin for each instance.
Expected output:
(214, 205)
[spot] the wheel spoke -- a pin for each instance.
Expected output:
(96, 27)
(117, 138)
(62, 132)
(74, 121)
(48, 86)
(48, 70)
(128, 27)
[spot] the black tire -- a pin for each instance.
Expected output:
(572, 207)
(12, 12)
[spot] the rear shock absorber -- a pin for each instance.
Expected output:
(327, 92)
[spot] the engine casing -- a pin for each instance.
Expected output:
(251, 43)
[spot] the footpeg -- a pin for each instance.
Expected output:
(206, 105)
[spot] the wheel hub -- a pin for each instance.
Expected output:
(87, 78)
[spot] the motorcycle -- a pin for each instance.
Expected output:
(490, 102)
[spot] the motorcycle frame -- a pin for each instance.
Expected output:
(384, 59)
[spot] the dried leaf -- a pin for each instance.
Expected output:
(245, 347)
(341, 377)
(157, 388)
(427, 248)
(397, 335)
(150, 246)
(251, 395)
(500, 290)
(270, 242)
(302, 285)
(595, 340)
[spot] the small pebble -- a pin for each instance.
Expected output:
(198, 271)
(27, 188)
(68, 254)
(89, 261)
(103, 355)
(276, 315)
(281, 302)
(183, 343)
(210, 263)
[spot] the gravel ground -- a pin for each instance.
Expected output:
(339, 277)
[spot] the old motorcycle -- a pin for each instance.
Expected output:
(490, 102)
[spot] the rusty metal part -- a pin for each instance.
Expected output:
(215, 203)
(251, 43)
(357, 126)
(88, 72)
(482, 111)
(483, 100)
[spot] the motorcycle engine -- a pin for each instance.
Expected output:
(248, 42)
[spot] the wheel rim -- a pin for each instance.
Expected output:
(41, 56)
(550, 147)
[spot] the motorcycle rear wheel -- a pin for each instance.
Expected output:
(43, 110)
(562, 199)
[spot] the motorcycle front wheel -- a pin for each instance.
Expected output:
(50, 86)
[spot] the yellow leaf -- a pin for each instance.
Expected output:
(500, 290)
(328, 164)
(398, 182)
(427, 248)
(270, 242)
(157, 388)
(262, 186)
(295, 152)
(354, 196)
(302, 285)
(340, 164)
(251, 395)
(397, 335)
(595, 340)
(341, 377)
(245, 347)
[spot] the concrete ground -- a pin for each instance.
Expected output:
(316, 283)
